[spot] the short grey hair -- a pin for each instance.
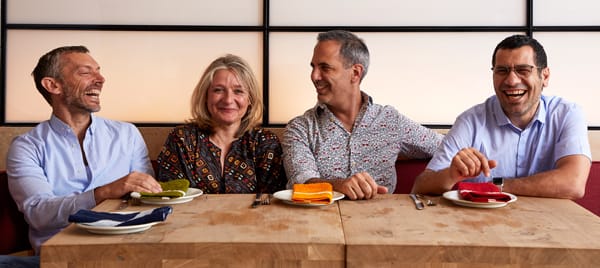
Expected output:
(352, 48)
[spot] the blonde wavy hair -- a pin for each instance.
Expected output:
(243, 72)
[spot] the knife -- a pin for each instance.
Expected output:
(417, 201)
(256, 200)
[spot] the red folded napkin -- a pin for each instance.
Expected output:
(481, 192)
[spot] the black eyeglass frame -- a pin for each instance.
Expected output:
(521, 70)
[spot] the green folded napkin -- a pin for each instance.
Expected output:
(171, 189)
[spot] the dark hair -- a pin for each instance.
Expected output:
(517, 41)
(353, 49)
(50, 64)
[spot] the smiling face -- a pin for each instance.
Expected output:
(333, 81)
(519, 93)
(81, 83)
(227, 99)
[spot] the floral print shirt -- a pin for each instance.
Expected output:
(316, 144)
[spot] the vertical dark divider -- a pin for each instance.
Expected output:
(3, 64)
(529, 18)
(265, 58)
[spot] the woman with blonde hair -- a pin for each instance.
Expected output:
(222, 148)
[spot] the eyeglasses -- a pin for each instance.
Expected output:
(522, 70)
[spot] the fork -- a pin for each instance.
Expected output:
(256, 201)
(266, 201)
(428, 201)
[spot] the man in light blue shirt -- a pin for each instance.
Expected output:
(537, 144)
(75, 160)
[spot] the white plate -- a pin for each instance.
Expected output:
(454, 196)
(116, 229)
(189, 195)
(286, 196)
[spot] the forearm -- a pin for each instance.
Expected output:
(433, 182)
(101, 193)
(567, 181)
(48, 213)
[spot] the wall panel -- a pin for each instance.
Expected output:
(150, 76)
(141, 12)
(430, 58)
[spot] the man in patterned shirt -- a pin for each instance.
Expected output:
(346, 139)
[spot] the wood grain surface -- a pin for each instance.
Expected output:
(210, 231)
(532, 232)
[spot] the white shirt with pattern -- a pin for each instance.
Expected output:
(316, 145)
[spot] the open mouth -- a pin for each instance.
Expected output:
(93, 93)
(514, 93)
(320, 85)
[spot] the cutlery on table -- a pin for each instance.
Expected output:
(428, 201)
(257, 200)
(418, 203)
(266, 201)
(124, 204)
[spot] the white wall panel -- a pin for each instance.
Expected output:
(143, 12)
(566, 13)
(149, 75)
(574, 61)
(430, 77)
(397, 13)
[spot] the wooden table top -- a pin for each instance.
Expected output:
(389, 232)
(221, 230)
(211, 230)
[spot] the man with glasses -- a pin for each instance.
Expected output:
(531, 144)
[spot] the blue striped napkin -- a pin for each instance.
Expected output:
(95, 218)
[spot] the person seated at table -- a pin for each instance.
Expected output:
(537, 144)
(74, 160)
(347, 139)
(222, 149)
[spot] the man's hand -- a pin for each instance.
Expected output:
(132, 182)
(359, 186)
(469, 163)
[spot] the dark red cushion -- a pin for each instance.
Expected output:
(591, 200)
(406, 172)
(13, 228)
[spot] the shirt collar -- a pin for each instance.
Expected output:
(61, 127)
(502, 119)
(366, 101)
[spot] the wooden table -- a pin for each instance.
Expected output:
(532, 232)
(210, 231)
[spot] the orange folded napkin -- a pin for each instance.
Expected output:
(481, 192)
(316, 193)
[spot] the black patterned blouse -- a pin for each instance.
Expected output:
(254, 161)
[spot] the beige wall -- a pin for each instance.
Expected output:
(146, 62)
(155, 137)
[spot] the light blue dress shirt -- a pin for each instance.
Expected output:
(49, 180)
(559, 129)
